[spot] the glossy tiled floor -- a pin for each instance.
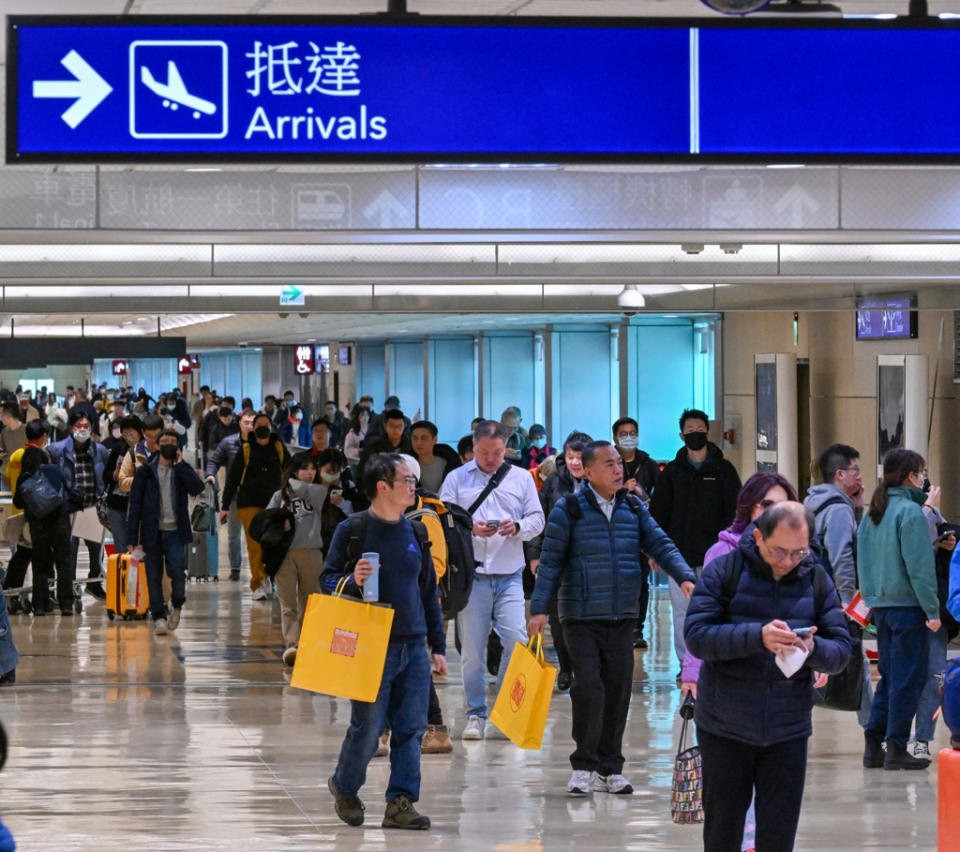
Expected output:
(196, 742)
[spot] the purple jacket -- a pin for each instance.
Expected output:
(726, 543)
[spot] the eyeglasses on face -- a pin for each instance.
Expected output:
(779, 554)
(854, 469)
(410, 481)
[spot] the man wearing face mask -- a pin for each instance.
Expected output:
(694, 498)
(539, 449)
(82, 461)
(280, 416)
(175, 416)
(130, 433)
(222, 457)
(159, 524)
(254, 475)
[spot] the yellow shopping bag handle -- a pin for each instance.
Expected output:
(341, 585)
(538, 653)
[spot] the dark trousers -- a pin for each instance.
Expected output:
(17, 568)
(93, 550)
(172, 553)
(903, 651)
(731, 770)
(50, 537)
(434, 712)
(644, 601)
(601, 655)
(556, 633)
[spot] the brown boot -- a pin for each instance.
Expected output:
(401, 813)
(436, 740)
(382, 749)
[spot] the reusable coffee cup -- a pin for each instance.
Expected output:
(371, 586)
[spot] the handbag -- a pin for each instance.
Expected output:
(524, 699)
(40, 495)
(686, 804)
(343, 646)
(844, 690)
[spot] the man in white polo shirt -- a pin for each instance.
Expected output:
(506, 512)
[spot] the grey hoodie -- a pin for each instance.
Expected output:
(306, 505)
(836, 526)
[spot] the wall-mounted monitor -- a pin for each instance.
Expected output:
(891, 317)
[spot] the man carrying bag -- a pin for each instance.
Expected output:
(392, 559)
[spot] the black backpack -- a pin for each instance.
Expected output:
(358, 532)
(457, 582)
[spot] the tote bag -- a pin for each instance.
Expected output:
(524, 700)
(343, 646)
(686, 804)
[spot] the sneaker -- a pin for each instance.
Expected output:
(564, 681)
(349, 808)
(639, 641)
(234, 574)
(290, 655)
(8, 679)
(436, 740)
(160, 627)
(262, 592)
(401, 813)
(581, 783)
(383, 749)
(13, 606)
(66, 612)
(96, 590)
(616, 784)
(873, 753)
(173, 618)
(921, 748)
(474, 728)
(899, 758)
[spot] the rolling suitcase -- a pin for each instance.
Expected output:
(127, 595)
(203, 551)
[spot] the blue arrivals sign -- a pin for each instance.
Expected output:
(476, 90)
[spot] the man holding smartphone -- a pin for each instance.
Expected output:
(506, 512)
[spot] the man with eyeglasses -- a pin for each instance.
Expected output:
(763, 603)
(837, 505)
(407, 583)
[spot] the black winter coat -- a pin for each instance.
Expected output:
(555, 487)
(742, 694)
(692, 505)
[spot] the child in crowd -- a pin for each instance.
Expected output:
(299, 574)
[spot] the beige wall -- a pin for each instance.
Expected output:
(843, 386)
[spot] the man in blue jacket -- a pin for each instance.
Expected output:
(82, 460)
(159, 524)
(753, 721)
(593, 550)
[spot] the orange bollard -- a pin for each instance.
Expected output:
(948, 781)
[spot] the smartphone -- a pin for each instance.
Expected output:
(802, 632)
(492, 525)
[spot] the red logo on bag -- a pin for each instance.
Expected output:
(344, 643)
(518, 692)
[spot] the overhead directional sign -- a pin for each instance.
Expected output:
(291, 295)
(453, 90)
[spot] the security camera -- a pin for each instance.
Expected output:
(628, 314)
(731, 248)
(243, 344)
(283, 316)
(631, 297)
(692, 248)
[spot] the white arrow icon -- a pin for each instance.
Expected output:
(797, 199)
(385, 204)
(89, 89)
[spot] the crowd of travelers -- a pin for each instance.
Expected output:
(761, 584)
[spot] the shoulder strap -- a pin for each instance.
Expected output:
(246, 461)
(819, 586)
(731, 578)
(832, 501)
(423, 539)
(635, 504)
(495, 480)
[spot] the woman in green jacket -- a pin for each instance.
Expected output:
(897, 578)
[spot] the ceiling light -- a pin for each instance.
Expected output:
(692, 248)
(631, 297)
(731, 248)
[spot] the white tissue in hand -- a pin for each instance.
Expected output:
(792, 659)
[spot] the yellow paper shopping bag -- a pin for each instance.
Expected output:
(524, 700)
(343, 644)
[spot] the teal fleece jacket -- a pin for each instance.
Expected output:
(895, 561)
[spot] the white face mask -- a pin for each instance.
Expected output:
(81, 436)
(329, 478)
(628, 442)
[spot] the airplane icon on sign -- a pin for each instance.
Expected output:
(174, 92)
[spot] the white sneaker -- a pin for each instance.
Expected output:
(474, 728)
(921, 748)
(290, 655)
(612, 784)
(262, 592)
(581, 782)
(173, 619)
(160, 628)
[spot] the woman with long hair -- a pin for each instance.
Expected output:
(353, 441)
(895, 566)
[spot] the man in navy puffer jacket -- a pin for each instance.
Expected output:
(753, 722)
(593, 550)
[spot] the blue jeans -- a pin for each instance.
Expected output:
(118, 529)
(903, 663)
(401, 705)
(496, 600)
(930, 697)
(234, 531)
(172, 552)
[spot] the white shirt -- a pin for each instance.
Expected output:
(515, 498)
(606, 506)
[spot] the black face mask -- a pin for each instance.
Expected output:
(695, 440)
(168, 451)
(262, 431)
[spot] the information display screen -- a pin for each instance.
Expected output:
(886, 319)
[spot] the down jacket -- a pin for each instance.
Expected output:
(742, 694)
(598, 564)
